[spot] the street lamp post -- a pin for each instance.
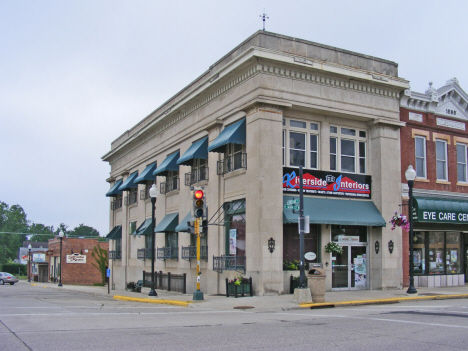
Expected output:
(153, 192)
(61, 265)
(29, 263)
(410, 174)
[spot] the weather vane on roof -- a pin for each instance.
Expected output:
(264, 16)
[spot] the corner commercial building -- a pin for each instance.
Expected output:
(241, 130)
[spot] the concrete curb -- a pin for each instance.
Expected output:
(382, 301)
(165, 302)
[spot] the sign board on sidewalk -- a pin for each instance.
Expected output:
(108, 272)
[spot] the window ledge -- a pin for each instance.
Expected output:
(443, 182)
(133, 205)
(200, 183)
(173, 192)
(118, 209)
(424, 180)
(235, 173)
(462, 184)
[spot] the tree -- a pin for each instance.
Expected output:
(102, 258)
(12, 220)
(40, 232)
(84, 230)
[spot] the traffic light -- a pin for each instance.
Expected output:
(198, 202)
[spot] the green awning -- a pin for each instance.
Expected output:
(147, 174)
(129, 182)
(183, 226)
(168, 223)
(114, 191)
(144, 228)
(169, 164)
(115, 233)
(440, 210)
(233, 134)
(198, 150)
(330, 211)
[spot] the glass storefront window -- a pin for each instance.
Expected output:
(419, 253)
(436, 253)
(452, 255)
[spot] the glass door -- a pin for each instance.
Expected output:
(349, 269)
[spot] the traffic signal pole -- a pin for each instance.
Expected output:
(198, 295)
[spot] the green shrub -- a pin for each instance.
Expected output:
(15, 268)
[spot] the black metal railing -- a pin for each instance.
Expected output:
(116, 204)
(231, 163)
(197, 175)
(131, 199)
(115, 255)
(166, 281)
(144, 254)
(190, 252)
(167, 253)
(229, 263)
(169, 185)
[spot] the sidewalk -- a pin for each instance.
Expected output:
(278, 302)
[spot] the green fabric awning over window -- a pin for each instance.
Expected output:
(115, 233)
(169, 164)
(233, 134)
(198, 150)
(168, 223)
(144, 228)
(329, 211)
(129, 182)
(114, 191)
(440, 210)
(147, 174)
(183, 226)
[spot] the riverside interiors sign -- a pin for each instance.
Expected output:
(327, 183)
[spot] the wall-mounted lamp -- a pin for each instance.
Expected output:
(326, 264)
(271, 245)
(391, 246)
(377, 247)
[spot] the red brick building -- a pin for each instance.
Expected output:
(435, 142)
(77, 267)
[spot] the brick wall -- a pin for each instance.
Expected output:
(429, 127)
(77, 273)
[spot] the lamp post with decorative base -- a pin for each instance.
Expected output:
(153, 192)
(61, 265)
(29, 263)
(410, 175)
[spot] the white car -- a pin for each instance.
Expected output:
(7, 278)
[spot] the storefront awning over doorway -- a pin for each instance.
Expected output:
(168, 223)
(440, 210)
(233, 134)
(115, 233)
(330, 211)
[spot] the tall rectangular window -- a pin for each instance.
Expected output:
(461, 163)
(132, 228)
(284, 146)
(420, 153)
(313, 151)
(333, 154)
(348, 156)
(297, 149)
(362, 157)
(441, 159)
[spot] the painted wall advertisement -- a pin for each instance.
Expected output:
(327, 183)
(76, 258)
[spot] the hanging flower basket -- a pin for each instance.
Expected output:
(398, 220)
(333, 248)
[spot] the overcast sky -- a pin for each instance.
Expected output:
(74, 75)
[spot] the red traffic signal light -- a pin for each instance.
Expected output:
(198, 194)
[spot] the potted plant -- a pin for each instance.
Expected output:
(333, 248)
(398, 220)
(239, 286)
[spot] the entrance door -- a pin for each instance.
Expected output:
(349, 269)
(466, 263)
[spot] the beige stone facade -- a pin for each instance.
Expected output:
(269, 80)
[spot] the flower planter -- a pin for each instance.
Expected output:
(242, 289)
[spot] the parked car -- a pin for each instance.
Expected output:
(7, 278)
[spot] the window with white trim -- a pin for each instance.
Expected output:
(441, 159)
(301, 144)
(420, 155)
(348, 150)
(461, 163)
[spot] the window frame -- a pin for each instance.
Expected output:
(309, 132)
(465, 164)
(359, 138)
(444, 142)
(424, 157)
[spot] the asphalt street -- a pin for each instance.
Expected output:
(34, 318)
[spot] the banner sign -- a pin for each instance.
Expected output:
(439, 216)
(326, 183)
(76, 258)
(38, 257)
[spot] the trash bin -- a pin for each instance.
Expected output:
(316, 284)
